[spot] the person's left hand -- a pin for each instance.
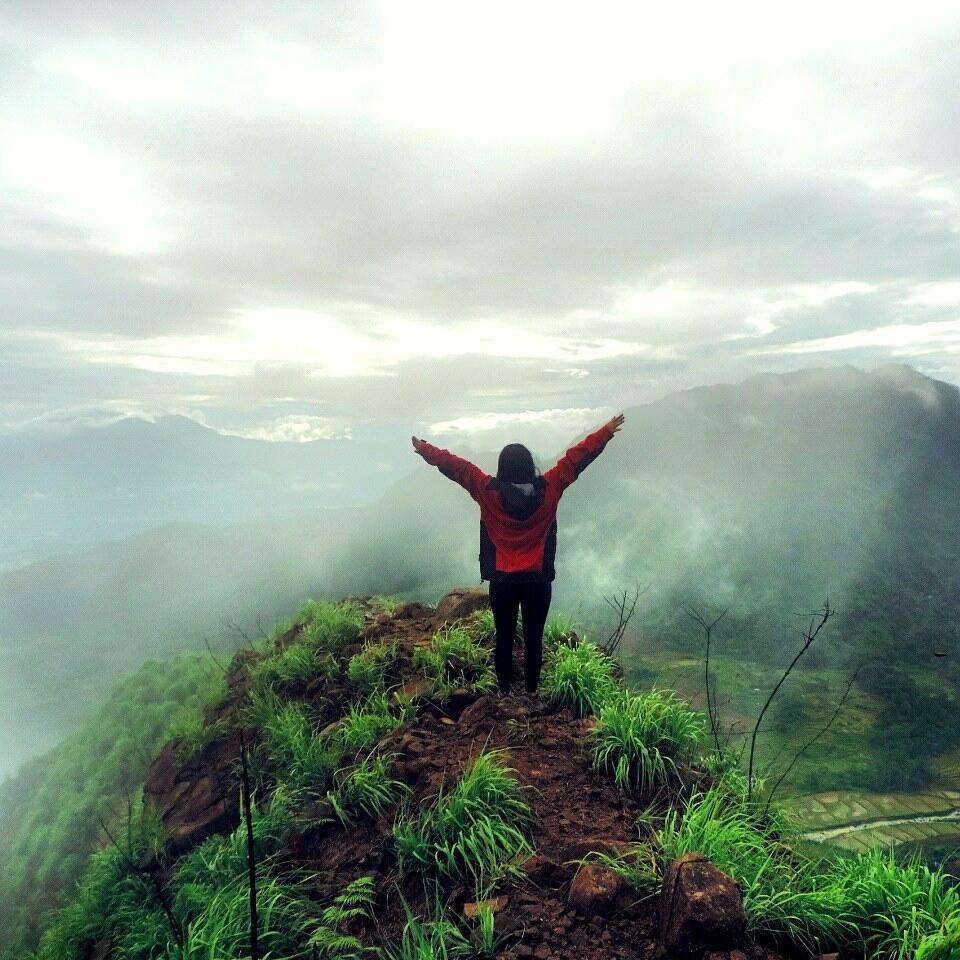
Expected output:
(417, 443)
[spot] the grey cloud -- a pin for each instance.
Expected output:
(321, 212)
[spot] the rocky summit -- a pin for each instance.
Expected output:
(556, 900)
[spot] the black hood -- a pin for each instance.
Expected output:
(520, 500)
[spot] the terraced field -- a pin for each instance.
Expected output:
(858, 821)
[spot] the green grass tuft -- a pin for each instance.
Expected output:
(368, 722)
(455, 661)
(297, 664)
(329, 627)
(476, 831)
(289, 739)
(639, 737)
(580, 677)
(365, 790)
(432, 938)
(367, 670)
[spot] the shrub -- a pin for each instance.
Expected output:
(638, 737)
(475, 831)
(580, 677)
(455, 661)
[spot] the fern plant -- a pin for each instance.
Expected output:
(330, 941)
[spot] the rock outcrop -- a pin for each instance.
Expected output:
(196, 797)
(701, 910)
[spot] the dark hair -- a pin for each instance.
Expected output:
(516, 464)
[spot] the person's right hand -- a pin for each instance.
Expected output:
(615, 423)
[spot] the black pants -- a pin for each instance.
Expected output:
(506, 599)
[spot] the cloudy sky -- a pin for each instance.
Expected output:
(290, 219)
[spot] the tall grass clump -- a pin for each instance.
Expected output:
(296, 664)
(113, 901)
(329, 627)
(213, 897)
(365, 789)
(386, 603)
(480, 624)
(776, 886)
(640, 736)
(367, 669)
(301, 759)
(557, 630)
(869, 905)
(580, 677)
(893, 910)
(222, 927)
(211, 893)
(475, 831)
(434, 937)
(368, 722)
(455, 661)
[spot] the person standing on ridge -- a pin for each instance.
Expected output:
(518, 536)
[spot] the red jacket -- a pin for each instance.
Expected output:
(518, 523)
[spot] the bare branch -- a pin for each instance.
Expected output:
(624, 607)
(808, 638)
(707, 627)
(814, 739)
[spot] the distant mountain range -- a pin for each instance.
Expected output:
(65, 490)
(764, 496)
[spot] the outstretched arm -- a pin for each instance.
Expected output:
(461, 471)
(582, 454)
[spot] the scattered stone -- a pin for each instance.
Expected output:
(317, 810)
(594, 890)
(544, 872)
(701, 909)
(461, 602)
(413, 610)
(411, 690)
(541, 952)
(494, 904)
(579, 848)
(477, 711)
